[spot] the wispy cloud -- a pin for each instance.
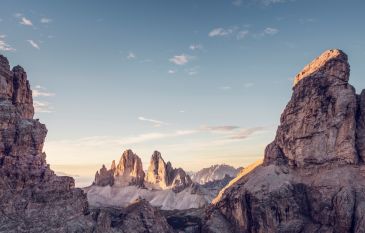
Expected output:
(33, 44)
(4, 46)
(270, 31)
(39, 91)
(180, 59)
(242, 34)
(245, 133)
(25, 21)
(96, 141)
(195, 47)
(131, 56)
(42, 107)
(223, 128)
(156, 123)
(171, 71)
(46, 20)
(222, 31)
(192, 70)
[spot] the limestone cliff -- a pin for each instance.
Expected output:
(312, 178)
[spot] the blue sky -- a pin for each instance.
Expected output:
(204, 82)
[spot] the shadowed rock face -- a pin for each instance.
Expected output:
(32, 197)
(312, 178)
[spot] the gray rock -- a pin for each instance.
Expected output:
(312, 178)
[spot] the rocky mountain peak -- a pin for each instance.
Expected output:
(312, 176)
(318, 124)
(164, 175)
(331, 64)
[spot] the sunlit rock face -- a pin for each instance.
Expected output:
(312, 178)
(164, 186)
(129, 171)
(165, 176)
(32, 197)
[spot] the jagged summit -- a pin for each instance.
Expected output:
(318, 124)
(312, 178)
(129, 171)
(331, 63)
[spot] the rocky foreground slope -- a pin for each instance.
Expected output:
(32, 197)
(312, 178)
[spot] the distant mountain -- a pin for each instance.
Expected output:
(162, 185)
(215, 172)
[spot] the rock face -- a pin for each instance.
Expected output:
(312, 178)
(139, 217)
(165, 176)
(129, 171)
(215, 172)
(32, 197)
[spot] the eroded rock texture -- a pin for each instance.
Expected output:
(32, 197)
(139, 217)
(312, 178)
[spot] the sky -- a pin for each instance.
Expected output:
(203, 82)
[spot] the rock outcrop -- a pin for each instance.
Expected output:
(312, 178)
(129, 171)
(165, 176)
(32, 197)
(214, 173)
(138, 217)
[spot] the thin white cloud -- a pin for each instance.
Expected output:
(131, 56)
(171, 71)
(222, 31)
(41, 92)
(180, 59)
(25, 21)
(156, 123)
(242, 34)
(42, 107)
(270, 31)
(192, 71)
(96, 141)
(46, 20)
(244, 133)
(33, 44)
(4, 46)
(222, 128)
(195, 47)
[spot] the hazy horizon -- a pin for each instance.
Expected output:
(202, 82)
